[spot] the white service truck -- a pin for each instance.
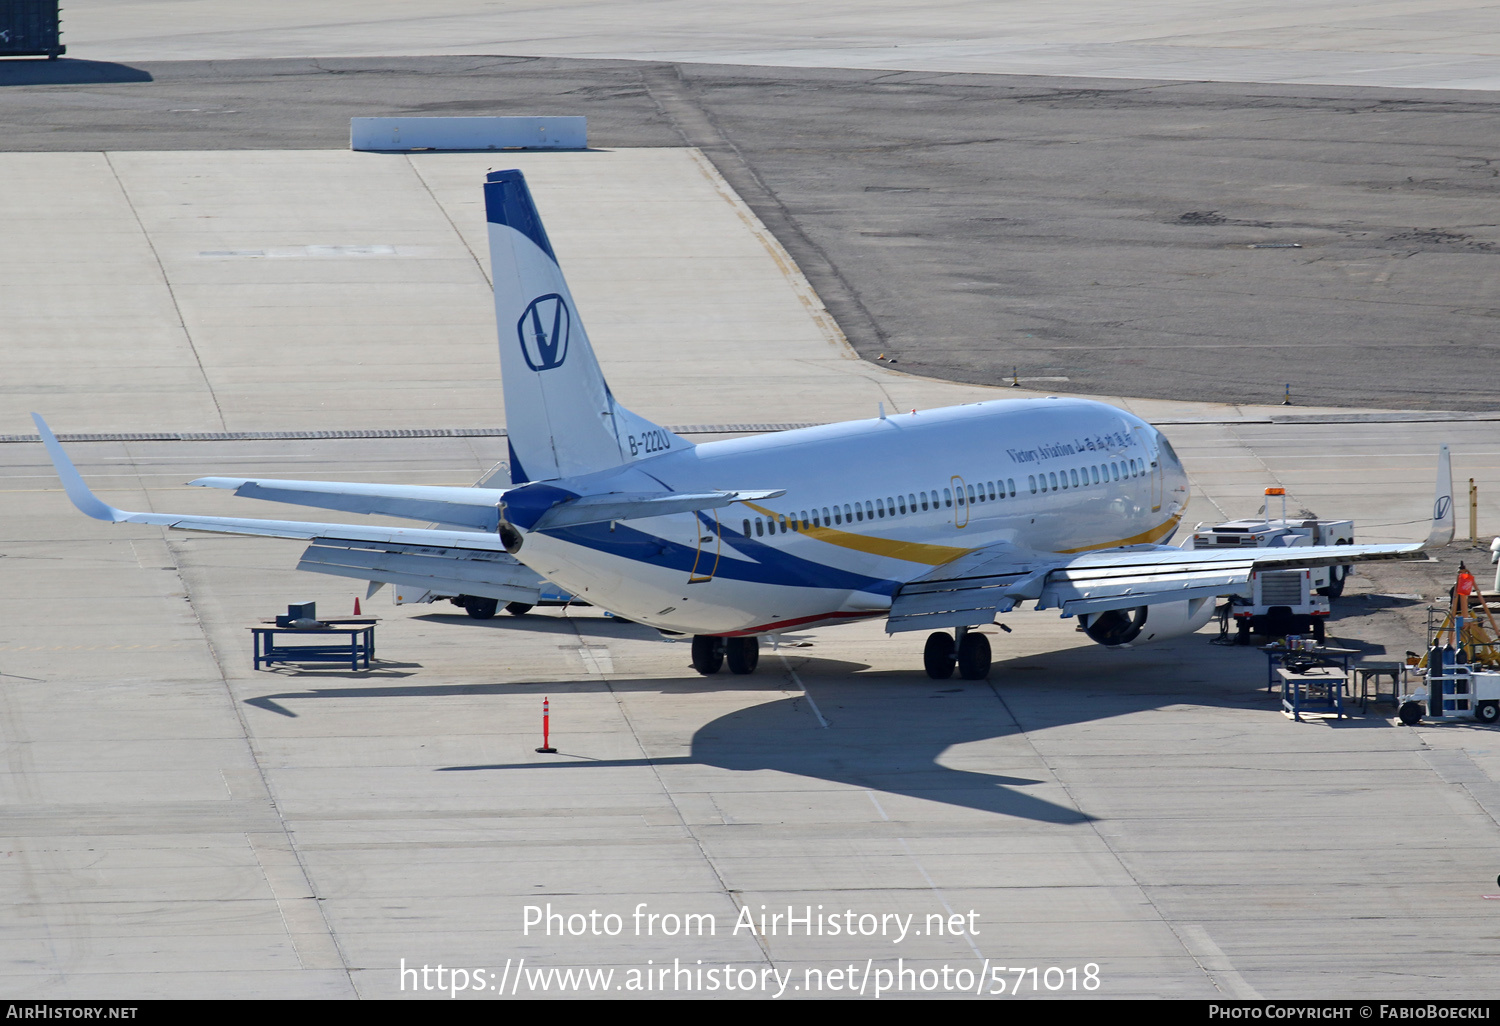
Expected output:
(1281, 602)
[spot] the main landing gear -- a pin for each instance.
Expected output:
(969, 651)
(710, 653)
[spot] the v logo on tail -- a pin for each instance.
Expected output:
(559, 412)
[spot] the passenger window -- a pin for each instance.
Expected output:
(911, 500)
(825, 516)
(1052, 479)
(804, 519)
(869, 510)
(1011, 486)
(759, 530)
(859, 513)
(1032, 479)
(948, 497)
(924, 502)
(1074, 475)
(847, 517)
(880, 509)
(960, 496)
(1095, 471)
(992, 489)
(901, 502)
(747, 528)
(970, 489)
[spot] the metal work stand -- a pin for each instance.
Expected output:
(356, 645)
(1322, 688)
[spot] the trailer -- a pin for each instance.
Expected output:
(1277, 603)
(1458, 691)
(1459, 673)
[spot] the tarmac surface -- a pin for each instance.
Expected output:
(179, 825)
(200, 279)
(1166, 240)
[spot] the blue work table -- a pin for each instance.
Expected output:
(351, 641)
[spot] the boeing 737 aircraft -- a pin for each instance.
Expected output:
(937, 521)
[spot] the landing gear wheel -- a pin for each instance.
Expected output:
(743, 654)
(974, 657)
(1337, 575)
(518, 608)
(479, 607)
(1411, 713)
(708, 654)
(938, 657)
(1487, 712)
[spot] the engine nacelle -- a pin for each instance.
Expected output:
(1120, 628)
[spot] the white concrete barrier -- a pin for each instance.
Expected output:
(499, 133)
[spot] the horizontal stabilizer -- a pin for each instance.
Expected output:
(595, 509)
(475, 508)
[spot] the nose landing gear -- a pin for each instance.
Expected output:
(968, 651)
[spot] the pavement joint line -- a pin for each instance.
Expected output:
(935, 888)
(295, 434)
(769, 219)
(1114, 853)
(921, 869)
(801, 686)
(166, 281)
(312, 936)
(733, 896)
(1212, 960)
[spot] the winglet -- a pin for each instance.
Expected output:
(86, 501)
(1442, 503)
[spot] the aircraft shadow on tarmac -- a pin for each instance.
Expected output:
(68, 72)
(874, 748)
(887, 729)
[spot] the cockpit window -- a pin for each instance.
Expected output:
(1167, 451)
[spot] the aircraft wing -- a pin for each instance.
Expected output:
(971, 590)
(469, 561)
(449, 562)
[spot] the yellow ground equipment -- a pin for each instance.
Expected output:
(1469, 626)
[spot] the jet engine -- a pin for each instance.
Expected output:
(1119, 628)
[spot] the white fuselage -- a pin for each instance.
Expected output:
(869, 505)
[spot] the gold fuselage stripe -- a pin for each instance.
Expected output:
(937, 555)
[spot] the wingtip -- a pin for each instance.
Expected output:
(78, 492)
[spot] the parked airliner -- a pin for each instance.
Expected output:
(935, 520)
